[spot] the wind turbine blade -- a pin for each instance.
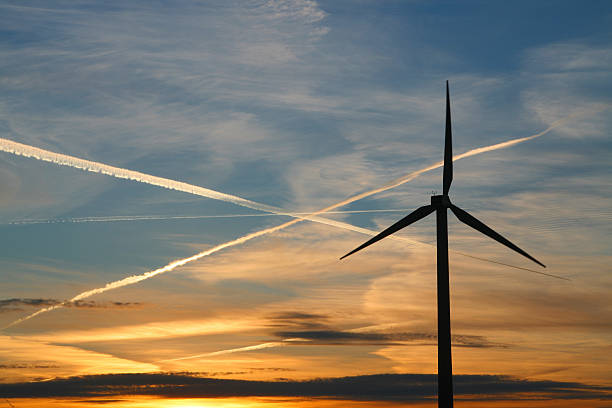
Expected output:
(448, 148)
(414, 216)
(479, 226)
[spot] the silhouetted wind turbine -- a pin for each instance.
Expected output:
(439, 204)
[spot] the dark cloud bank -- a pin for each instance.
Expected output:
(313, 329)
(398, 387)
(17, 304)
(314, 337)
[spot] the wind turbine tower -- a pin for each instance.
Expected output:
(439, 204)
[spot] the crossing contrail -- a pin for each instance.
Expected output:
(20, 149)
(29, 151)
(130, 280)
(24, 150)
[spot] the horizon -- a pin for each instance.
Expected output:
(180, 180)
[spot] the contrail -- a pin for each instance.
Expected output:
(29, 151)
(260, 346)
(21, 149)
(469, 153)
(270, 344)
(130, 280)
(116, 218)
(180, 262)
(511, 266)
(230, 351)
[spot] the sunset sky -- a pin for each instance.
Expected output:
(261, 107)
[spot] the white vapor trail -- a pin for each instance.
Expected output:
(469, 153)
(20, 149)
(229, 351)
(271, 344)
(260, 346)
(29, 151)
(130, 280)
(115, 218)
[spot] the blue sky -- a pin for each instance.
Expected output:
(300, 104)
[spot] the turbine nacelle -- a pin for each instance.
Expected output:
(440, 201)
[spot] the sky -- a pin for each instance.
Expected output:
(156, 158)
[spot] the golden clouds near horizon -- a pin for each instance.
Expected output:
(29, 360)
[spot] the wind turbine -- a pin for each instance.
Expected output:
(439, 204)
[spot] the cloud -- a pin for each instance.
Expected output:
(292, 316)
(153, 330)
(563, 75)
(28, 359)
(27, 366)
(8, 303)
(380, 387)
(297, 319)
(41, 154)
(578, 57)
(305, 11)
(11, 305)
(347, 337)
(340, 337)
(187, 90)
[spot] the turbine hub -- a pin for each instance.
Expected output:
(440, 201)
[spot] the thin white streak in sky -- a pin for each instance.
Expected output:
(28, 151)
(511, 266)
(229, 351)
(284, 342)
(269, 344)
(114, 218)
(281, 343)
(130, 280)
(473, 152)
(20, 149)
